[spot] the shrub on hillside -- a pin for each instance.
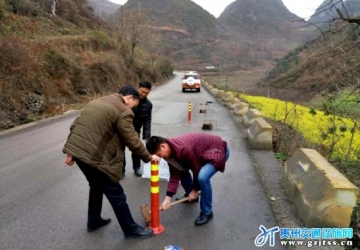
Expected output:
(165, 67)
(103, 76)
(56, 65)
(2, 9)
(102, 38)
(24, 7)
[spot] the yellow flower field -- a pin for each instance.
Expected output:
(316, 128)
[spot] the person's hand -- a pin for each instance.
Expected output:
(155, 159)
(194, 194)
(69, 160)
(165, 204)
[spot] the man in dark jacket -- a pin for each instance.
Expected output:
(97, 143)
(142, 119)
(204, 154)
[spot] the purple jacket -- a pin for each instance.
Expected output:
(192, 151)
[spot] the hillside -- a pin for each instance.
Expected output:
(50, 61)
(326, 13)
(261, 19)
(258, 34)
(182, 15)
(266, 25)
(327, 63)
(251, 34)
(103, 8)
(184, 29)
(53, 61)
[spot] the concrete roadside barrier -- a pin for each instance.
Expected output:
(215, 92)
(233, 102)
(227, 97)
(208, 87)
(250, 115)
(323, 197)
(241, 109)
(221, 93)
(259, 134)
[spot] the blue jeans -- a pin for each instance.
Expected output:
(205, 174)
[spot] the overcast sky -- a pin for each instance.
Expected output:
(302, 8)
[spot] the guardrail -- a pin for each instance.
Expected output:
(259, 134)
(250, 115)
(323, 197)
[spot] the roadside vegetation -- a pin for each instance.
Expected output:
(336, 137)
(53, 61)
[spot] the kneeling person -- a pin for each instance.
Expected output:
(204, 154)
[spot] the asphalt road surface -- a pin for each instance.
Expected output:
(43, 203)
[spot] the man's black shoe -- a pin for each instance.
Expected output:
(203, 219)
(138, 172)
(98, 224)
(140, 232)
(185, 195)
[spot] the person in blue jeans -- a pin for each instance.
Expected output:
(201, 153)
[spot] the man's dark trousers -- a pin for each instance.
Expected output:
(100, 184)
(136, 159)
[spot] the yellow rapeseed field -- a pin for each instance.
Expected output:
(316, 128)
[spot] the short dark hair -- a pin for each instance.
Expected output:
(129, 90)
(145, 84)
(153, 143)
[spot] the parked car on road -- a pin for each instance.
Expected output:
(191, 80)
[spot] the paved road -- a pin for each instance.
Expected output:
(43, 203)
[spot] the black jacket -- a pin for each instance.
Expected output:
(142, 118)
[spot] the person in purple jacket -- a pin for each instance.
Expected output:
(202, 153)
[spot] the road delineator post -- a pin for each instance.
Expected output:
(155, 199)
(189, 112)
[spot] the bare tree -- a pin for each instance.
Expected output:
(339, 24)
(131, 29)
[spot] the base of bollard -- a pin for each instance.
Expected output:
(158, 230)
